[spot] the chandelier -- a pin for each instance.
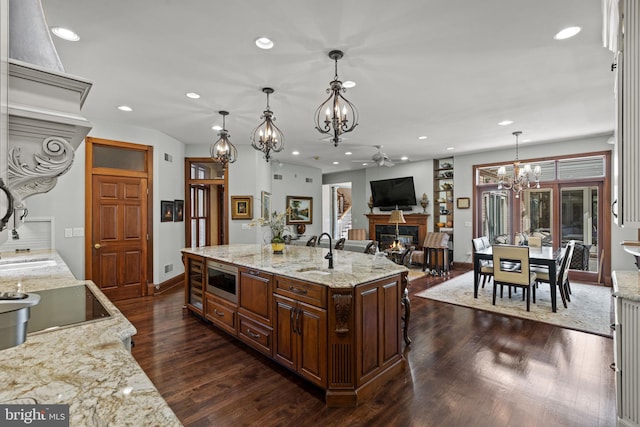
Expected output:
(223, 150)
(336, 115)
(267, 137)
(522, 174)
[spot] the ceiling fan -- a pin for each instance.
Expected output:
(379, 158)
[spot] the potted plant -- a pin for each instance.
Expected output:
(276, 222)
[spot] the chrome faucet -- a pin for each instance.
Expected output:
(328, 256)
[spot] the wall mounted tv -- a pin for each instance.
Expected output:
(389, 193)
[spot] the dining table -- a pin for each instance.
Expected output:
(545, 256)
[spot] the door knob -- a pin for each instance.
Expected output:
(97, 246)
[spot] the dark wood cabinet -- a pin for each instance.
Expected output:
(301, 338)
(222, 313)
(254, 295)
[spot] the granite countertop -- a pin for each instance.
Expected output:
(626, 284)
(86, 366)
(305, 263)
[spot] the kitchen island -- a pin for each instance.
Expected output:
(338, 328)
(86, 365)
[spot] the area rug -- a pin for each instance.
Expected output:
(589, 309)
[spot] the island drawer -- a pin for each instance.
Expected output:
(256, 335)
(310, 293)
(221, 313)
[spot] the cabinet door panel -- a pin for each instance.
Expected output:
(255, 295)
(312, 363)
(284, 351)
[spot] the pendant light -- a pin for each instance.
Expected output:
(267, 137)
(223, 150)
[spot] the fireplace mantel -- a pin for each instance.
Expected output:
(417, 219)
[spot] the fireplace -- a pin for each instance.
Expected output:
(415, 227)
(386, 235)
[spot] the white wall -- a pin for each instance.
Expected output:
(65, 202)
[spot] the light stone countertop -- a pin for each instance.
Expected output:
(305, 263)
(86, 366)
(626, 284)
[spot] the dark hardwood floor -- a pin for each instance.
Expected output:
(464, 368)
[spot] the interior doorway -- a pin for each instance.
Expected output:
(118, 218)
(336, 209)
(206, 221)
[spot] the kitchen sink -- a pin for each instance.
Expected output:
(26, 264)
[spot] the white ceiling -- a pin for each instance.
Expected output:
(450, 70)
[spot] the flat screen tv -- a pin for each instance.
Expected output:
(389, 193)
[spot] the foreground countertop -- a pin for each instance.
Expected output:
(86, 366)
(626, 284)
(305, 263)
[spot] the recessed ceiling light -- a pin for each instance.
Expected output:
(365, 164)
(192, 95)
(216, 127)
(527, 140)
(336, 163)
(264, 43)
(422, 137)
(403, 158)
(124, 108)
(65, 34)
(348, 153)
(567, 33)
(505, 122)
(451, 148)
(349, 84)
(295, 153)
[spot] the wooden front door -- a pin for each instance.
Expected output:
(119, 232)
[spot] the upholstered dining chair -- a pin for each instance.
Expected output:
(511, 268)
(312, 241)
(562, 278)
(486, 266)
(340, 243)
(287, 239)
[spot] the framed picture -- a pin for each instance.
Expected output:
(166, 210)
(241, 207)
(299, 210)
(178, 210)
(265, 202)
(463, 202)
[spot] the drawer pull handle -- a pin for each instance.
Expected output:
(219, 313)
(613, 366)
(297, 291)
(612, 326)
(254, 272)
(252, 335)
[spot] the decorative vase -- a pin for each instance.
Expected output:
(277, 245)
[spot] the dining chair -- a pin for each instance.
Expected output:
(340, 243)
(371, 247)
(511, 268)
(485, 241)
(287, 239)
(562, 277)
(486, 266)
(312, 241)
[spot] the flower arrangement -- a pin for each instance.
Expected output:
(277, 224)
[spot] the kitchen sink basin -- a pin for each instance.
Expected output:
(313, 270)
(26, 264)
(14, 315)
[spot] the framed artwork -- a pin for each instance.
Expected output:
(166, 210)
(299, 210)
(241, 207)
(265, 202)
(178, 210)
(463, 202)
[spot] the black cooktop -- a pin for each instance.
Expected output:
(64, 307)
